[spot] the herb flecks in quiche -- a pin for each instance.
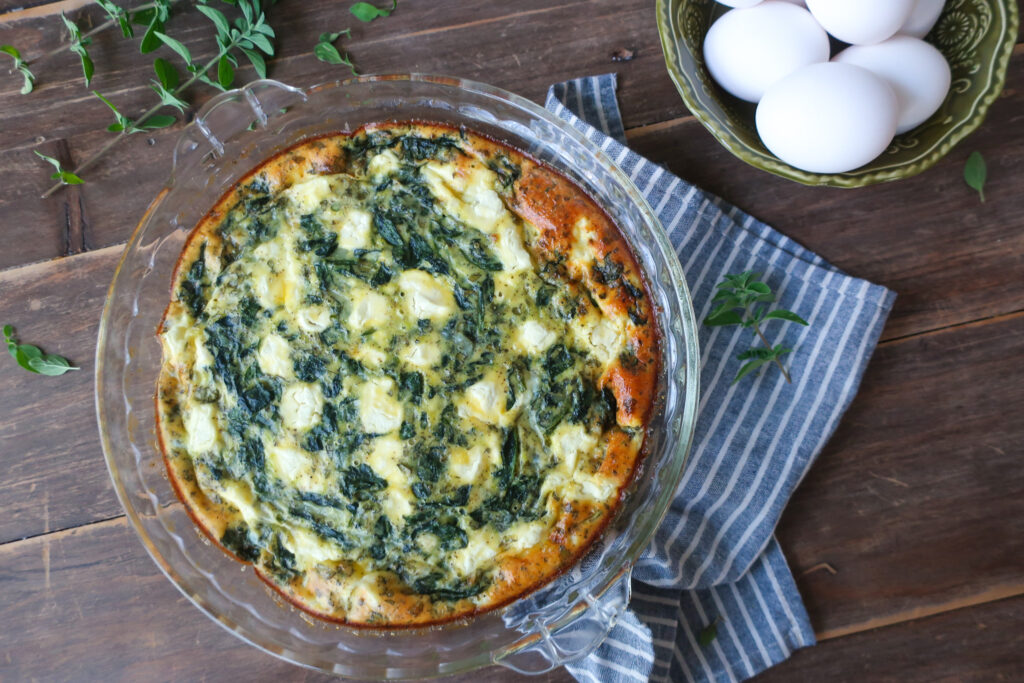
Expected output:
(406, 374)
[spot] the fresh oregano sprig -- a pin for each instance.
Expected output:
(743, 300)
(65, 177)
(21, 66)
(152, 13)
(33, 359)
(249, 33)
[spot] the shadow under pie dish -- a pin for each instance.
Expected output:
(402, 414)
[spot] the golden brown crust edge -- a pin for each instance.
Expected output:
(553, 204)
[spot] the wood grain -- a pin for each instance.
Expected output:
(918, 499)
(54, 476)
(89, 605)
(980, 645)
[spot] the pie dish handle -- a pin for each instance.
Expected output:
(552, 642)
(228, 116)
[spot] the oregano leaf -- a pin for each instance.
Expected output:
(725, 318)
(760, 352)
(975, 173)
(33, 359)
(156, 121)
(225, 73)
(67, 178)
(166, 73)
(708, 634)
(782, 314)
(151, 39)
(257, 61)
(262, 42)
(175, 45)
(749, 368)
(50, 365)
(365, 12)
(326, 52)
(218, 19)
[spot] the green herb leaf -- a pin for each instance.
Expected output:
(782, 314)
(743, 300)
(326, 52)
(77, 46)
(708, 634)
(727, 317)
(151, 39)
(166, 73)
(157, 121)
(169, 98)
(257, 61)
(33, 359)
(51, 365)
(50, 160)
(20, 67)
(218, 19)
(123, 122)
(365, 12)
(225, 73)
(65, 177)
(119, 15)
(176, 46)
(975, 173)
(261, 41)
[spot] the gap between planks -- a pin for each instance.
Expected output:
(44, 10)
(988, 595)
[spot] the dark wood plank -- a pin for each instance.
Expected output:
(89, 604)
(942, 538)
(917, 502)
(980, 644)
(948, 256)
(54, 476)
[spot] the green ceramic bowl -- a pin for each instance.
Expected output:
(976, 37)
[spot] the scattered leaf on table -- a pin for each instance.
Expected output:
(975, 173)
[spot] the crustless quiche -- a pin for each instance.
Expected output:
(406, 374)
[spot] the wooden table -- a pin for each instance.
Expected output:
(907, 536)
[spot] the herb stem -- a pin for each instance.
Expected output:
(96, 156)
(757, 329)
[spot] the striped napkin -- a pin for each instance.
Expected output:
(715, 560)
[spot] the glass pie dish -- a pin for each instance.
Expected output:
(234, 132)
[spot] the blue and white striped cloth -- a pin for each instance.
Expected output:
(715, 558)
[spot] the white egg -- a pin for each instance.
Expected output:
(916, 72)
(739, 3)
(922, 18)
(861, 22)
(828, 118)
(747, 50)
